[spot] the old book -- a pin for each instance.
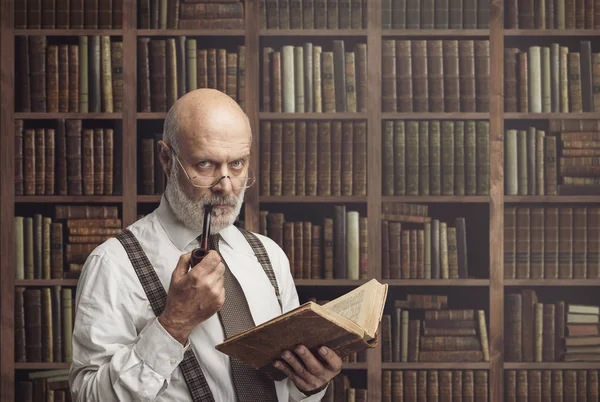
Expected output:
(423, 158)
(346, 324)
(459, 158)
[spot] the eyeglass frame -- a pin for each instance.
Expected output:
(216, 182)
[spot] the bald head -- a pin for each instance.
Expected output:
(203, 112)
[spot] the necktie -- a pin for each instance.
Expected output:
(235, 316)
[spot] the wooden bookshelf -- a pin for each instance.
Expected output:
(130, 202)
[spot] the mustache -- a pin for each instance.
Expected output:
(230, 200)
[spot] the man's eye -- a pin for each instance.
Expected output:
(237, 164)
(203, 164)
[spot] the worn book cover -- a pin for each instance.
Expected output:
(347, 324)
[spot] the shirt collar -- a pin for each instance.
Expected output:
(179, 234)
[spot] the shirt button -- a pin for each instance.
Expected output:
(173, 362)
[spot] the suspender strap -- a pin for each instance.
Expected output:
(263, 258)
(192, 372)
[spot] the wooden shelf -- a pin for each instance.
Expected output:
(191, 32)
(149, 198)
(73, 199)
(329, 282)
(46, 282)
(437, 366)
(435, 116)
(69, 32)
(552, 282)
(42, 366)
(551, 32)
(152, 115)
(312, 116)
(550, 199)
(311, 199)
(481, 199)
(82, 116)
(552, 366)
(437, 32)
(438, 282)
(312, 32)
(550, 116)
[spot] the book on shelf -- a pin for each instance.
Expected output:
(336, 248)
(47, 385)
(546, 384)
(552, 242)
(552, 79)
(435, 75)
(435, 157)
(56, 248)
(424, 14)
(423, 329)
(96, 14)
(550, 331)
(313, 14)
(314, 78)
(70, 158)
(444, 385)
(346, 324)
(169, 68)
(341, 389)
(417, 246)
(324, 158)
(555, 14)
(185, 14)
(77, 76)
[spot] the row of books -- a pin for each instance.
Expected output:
(44, 322)
(419, 247)
(313, 14)
(436, 157)
(85, 76)
(552, 242)
(552, 14)
(552, 78)
(312, 78)
(56, 247)
(427, 14)
(443, 385)
(335, 248)
(341, 389)
(435, 75)
(43, 386)
(169, 68)
(162, 14)
(152, 176)
(551, 385)
(324, 157)
(68, 160)
(539, 331)
(423, 329)
(74, 14)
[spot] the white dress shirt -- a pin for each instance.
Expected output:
(120, 350)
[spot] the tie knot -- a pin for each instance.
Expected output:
(213, 241)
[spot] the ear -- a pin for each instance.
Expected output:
(165, 157)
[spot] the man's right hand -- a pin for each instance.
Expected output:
(193, 296)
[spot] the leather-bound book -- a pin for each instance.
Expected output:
(158, 75)
(73, 79)
(116, 54)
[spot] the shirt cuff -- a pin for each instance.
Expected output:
(297, 395)
(159, 349)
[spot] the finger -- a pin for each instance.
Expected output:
(282, 366)
(298, 367)
(312, 364)
(182, 265)
(331, 358)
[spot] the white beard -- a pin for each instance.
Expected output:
(190, 211)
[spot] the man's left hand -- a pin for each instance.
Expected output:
(306, 371)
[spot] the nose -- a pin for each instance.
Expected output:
(223, 186)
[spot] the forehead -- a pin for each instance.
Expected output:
(215, 136)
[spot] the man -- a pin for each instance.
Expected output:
(125, 348)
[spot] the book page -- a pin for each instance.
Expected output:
(363, 305)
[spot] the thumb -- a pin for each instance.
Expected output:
(182, 266)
